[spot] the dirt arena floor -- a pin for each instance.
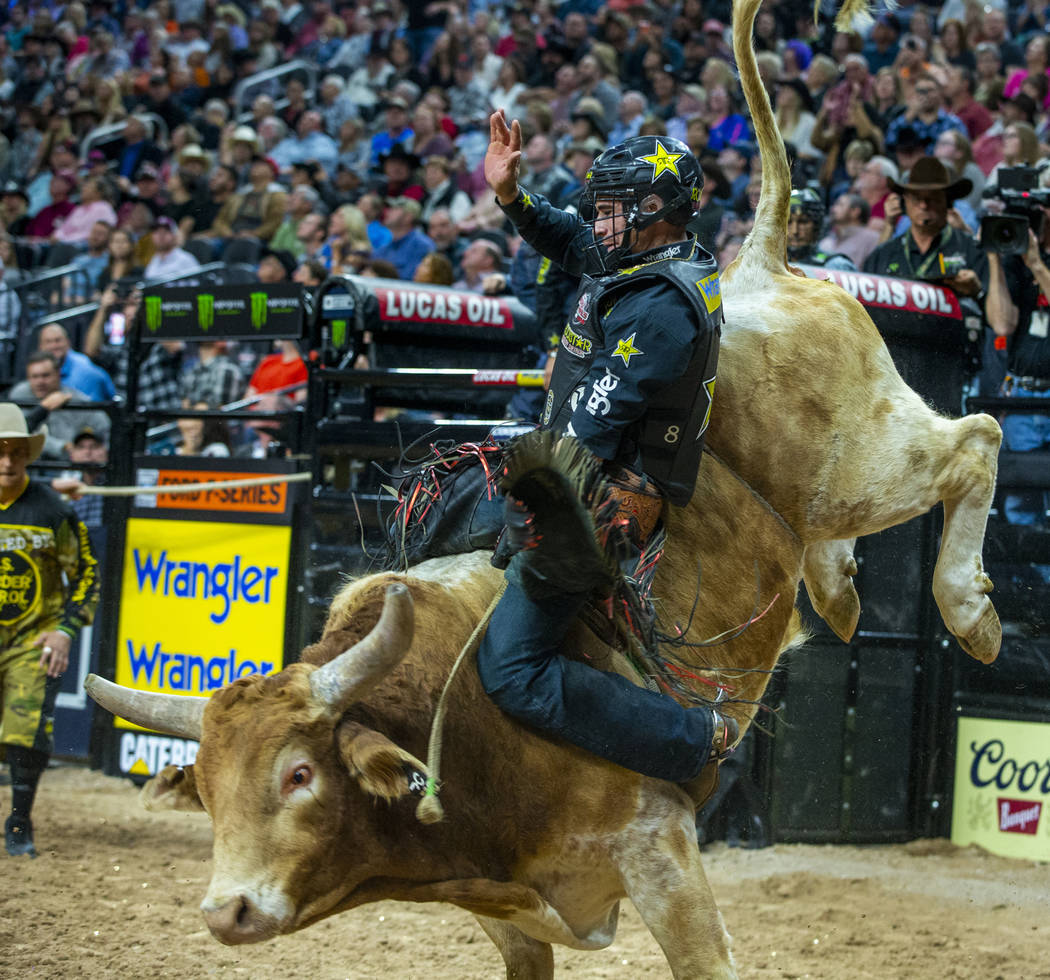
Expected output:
(114, 894)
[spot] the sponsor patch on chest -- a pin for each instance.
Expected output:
(583, 309)
(711, 289)
(575, 344)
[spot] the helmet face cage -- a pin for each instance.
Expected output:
(632, 172)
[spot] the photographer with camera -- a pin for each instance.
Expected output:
(1018, 244)
(932, 249)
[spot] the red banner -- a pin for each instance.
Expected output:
(905, 295)
(413, 304)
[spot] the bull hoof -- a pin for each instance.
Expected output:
(983, 641)
(839, 609)
(843, 612)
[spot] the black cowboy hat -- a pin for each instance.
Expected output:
(398, 152)
(929, 174)
(287, 260)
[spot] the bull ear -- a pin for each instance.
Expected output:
(380, 767)
(173, 788)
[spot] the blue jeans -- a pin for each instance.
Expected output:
(1025, 434)
(522, 671)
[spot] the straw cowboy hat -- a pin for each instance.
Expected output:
(929, 174)
(13, 426)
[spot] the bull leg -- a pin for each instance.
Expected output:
(960, 585)
(926, 459)
(526, 958)
(828, 568)
(666, 881)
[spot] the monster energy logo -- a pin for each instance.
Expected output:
(258, 310)
(206, 311)
(153, 313)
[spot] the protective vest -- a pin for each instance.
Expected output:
(669, 437)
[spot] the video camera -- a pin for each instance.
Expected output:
(1007, 234)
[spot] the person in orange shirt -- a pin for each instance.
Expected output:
(279, 370)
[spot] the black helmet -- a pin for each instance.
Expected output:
(809, 203)
(631, 172)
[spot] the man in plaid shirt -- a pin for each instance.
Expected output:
(925, 114)
(160, 376)
(161, 369)
(214, 380)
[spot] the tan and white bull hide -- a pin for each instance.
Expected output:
(815, 440)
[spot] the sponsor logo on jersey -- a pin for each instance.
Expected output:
(19, 587)
(711, 289)
(598, 403)
(583, 309)
(672, 252)
(575, 344)
(574, 399)
(625, 350)
(709, 387)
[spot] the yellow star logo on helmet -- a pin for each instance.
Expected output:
(662, 160)
(625, 350)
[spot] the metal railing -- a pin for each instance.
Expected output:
(48, 292)
(156, 130)
(269, 83)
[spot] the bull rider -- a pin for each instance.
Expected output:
(805, 226)
(632, 382)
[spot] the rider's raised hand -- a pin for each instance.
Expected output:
(503, 158)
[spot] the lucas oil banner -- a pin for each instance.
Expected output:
(202, 604)
(1002, 787)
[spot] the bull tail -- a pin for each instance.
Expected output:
(764, 253)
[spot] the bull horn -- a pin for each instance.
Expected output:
(170, 714)
(346, 678)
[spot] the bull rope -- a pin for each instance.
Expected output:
(86, 489)
(430, 809)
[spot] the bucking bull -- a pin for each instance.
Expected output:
(815, 439)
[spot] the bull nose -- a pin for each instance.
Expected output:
(238, 920)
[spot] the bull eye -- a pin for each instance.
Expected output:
(297, 778)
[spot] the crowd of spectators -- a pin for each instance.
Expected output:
(379, 170)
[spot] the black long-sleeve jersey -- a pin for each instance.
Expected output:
(635, 373)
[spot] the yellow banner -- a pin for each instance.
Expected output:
(202, 604)
(1002, 787)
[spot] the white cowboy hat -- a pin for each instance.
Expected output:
(13, 426)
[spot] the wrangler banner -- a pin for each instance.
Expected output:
(1002, 787)
(202, 604)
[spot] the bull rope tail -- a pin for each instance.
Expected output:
(430, 809)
